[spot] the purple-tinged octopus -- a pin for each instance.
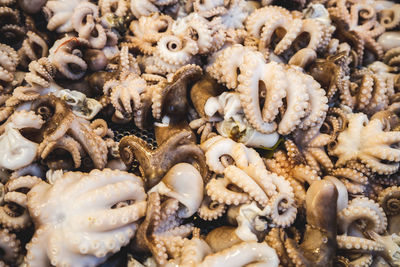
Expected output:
(84, 232)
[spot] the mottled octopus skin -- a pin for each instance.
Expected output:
(155, 163)
(170, 98)
(75, 219)
(319, 245)
(62, 121)
(162, 232)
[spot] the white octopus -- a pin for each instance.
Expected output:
(367, 141)
(16, 150)
(82, 219)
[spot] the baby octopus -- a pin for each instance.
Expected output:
(199, 133)
(83, 218)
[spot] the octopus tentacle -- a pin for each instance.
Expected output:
(249, 82)
(63, 121)
(364, 151)
(155, 163)
(255, 253)
(17, 218)
(218, 191)
(66, 55)
(210, 210)
(389, 200)
(33, 48)
(115, 226)
(169, 98)
(10, 245)
(358, 243)
(66, 143)
(282, 217)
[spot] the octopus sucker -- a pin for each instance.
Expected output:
(199, 133)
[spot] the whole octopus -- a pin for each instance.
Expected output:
(200, 133)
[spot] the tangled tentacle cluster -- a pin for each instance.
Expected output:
(106, 229)
(305, 104)
(199, 133)
(290, 29)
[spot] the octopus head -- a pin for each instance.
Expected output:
(174, 101)
(319, 245)
(17, 149)
(184, 183)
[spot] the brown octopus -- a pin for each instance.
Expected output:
(319, 242)
(176, 144)
(62, 125)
